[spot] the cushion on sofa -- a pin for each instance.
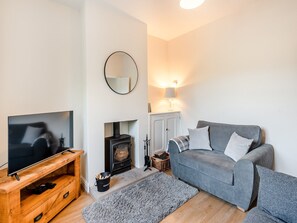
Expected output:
(257, 216)
(237, 147)
(211, 163)
(219, 134)
(199, 138)
(277, 194)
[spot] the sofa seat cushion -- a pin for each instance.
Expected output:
(257, 216)
(211, 163)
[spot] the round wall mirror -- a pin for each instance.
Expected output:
(121, 73)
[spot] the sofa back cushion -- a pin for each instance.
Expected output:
(219, 134)
(277, 194)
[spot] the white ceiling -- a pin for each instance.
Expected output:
(166, 20)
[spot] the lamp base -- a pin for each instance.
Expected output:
(171, 104)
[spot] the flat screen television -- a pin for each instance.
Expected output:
(36, 137)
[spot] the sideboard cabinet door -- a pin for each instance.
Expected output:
(163, 127)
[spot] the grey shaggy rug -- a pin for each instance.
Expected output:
(147, 201)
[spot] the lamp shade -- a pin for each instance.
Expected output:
(170, 92)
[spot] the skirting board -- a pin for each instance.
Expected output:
(85, 184)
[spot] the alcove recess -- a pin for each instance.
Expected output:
(129, 127)
(19, 204)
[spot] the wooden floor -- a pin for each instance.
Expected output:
(207, 209)
(201, 208)
(72, 213)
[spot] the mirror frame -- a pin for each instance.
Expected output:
(105, 75)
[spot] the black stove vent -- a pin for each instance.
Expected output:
(116, 130)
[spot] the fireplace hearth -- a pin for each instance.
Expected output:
(118, 154)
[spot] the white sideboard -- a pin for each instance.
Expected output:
(162, 127)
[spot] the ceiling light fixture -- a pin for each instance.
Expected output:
(190, 4)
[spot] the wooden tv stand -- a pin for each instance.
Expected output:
(19, 204)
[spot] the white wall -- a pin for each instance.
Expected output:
(40, 62)
(243, 69)
(107, 30)
(158, 73)
(240, 69)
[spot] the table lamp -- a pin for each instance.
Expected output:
(170, 95)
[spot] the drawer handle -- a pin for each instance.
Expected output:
(38, 217)
(66, 195)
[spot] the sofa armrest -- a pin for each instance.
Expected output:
(277, 195)
(172, 148)
(262, 155)
(246, 179)
(174, 153)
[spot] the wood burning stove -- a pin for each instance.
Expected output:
(117, 152)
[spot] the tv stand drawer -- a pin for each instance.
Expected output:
(55, 202)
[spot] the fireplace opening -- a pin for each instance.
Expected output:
(117, 151)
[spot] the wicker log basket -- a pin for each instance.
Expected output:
(161, 164)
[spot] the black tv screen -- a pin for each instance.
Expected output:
(33, 138)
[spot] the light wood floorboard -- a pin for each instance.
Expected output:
(205, 208)
(202, 208)
(72, 213)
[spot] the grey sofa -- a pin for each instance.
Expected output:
(216, 173)
(277, 200)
